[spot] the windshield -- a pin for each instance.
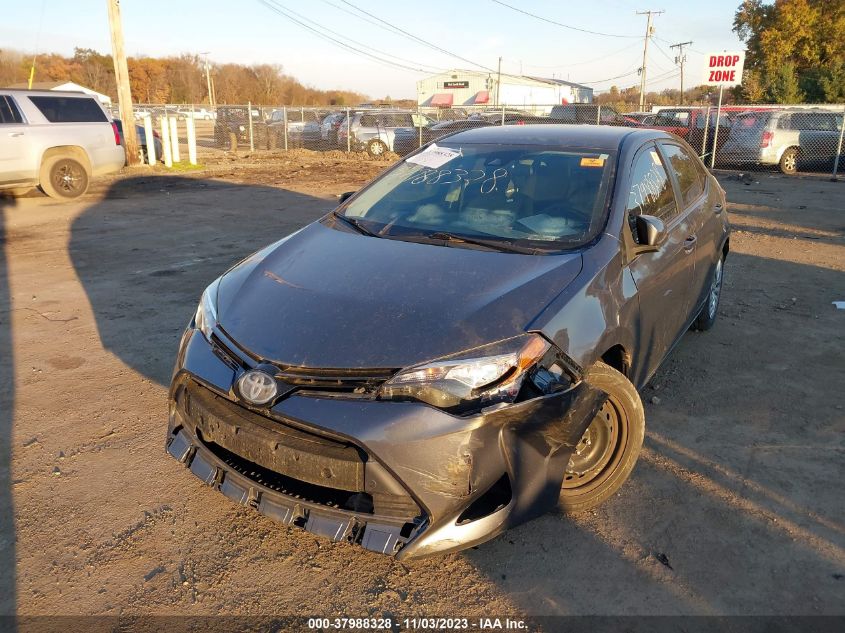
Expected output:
(535, 196)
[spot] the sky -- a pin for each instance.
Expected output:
(470, 34)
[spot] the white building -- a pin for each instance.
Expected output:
(456, 88)
(65, 85)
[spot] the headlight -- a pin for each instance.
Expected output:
(206, 317)
(481, 377)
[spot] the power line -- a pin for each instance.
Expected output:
(273, 6)
(588, 61)
(341, 35)
(560, 24)
(418, 39)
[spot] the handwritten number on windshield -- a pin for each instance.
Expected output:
(452, 177)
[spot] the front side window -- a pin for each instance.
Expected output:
(651, 191)
(686, 171)
(671, 118)
(70, 109)
(545, 198)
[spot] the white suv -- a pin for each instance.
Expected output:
(57, 140)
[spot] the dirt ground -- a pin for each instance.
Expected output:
(736, 506)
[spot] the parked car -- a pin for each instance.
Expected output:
(643, 118)
(458, 347)
(788, 138)
(690, 124)
(198, 114)
(231, 128)
(57, 140)
(588, 114)
(141, 133)
(328, 129)
(373, 130)
(298, 119)
(407, 139)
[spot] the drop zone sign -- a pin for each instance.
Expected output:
(724, 69)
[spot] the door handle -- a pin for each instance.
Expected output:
(689, 243)
(717, 208)
(15, 133)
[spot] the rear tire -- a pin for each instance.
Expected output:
(789, 161)
(607, 451)
(376, 148)
(63, 178)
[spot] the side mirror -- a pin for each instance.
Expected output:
(345, 196)
(651, 232)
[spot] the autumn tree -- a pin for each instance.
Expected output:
(795, 50)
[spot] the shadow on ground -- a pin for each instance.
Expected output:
(7, 412)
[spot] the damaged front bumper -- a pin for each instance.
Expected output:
(399, 478)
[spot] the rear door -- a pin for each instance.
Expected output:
(663, 277)
(17, 163)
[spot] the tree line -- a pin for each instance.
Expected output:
(179, 79)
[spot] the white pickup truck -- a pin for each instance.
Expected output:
(56, 140)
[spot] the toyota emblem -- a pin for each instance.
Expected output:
(257, 387)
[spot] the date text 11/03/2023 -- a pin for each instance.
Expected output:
(420, 624)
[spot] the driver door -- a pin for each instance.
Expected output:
(663, 277)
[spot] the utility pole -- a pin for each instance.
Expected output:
(124, 94)
(498, 82)
(681, 59)
(208, 79)
(648, 32)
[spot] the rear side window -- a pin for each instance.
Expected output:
(368, 120)
(70, 109)
(686, 171)
(651, 191)
(9, 112)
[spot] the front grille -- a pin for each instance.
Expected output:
(331, 380)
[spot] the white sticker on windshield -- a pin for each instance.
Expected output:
(433, 157)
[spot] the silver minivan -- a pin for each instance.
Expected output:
(789, 138)
(55, 140)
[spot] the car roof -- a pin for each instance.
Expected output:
(46, 93)
(553, 135)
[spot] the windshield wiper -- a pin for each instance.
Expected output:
(497, 244)
(354, 224)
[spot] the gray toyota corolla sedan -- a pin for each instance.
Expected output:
(456, 348)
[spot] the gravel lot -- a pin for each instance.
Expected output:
(736, 506)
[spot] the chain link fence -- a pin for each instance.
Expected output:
(755, 137)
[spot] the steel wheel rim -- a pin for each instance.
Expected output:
(376, 148)
(715, 289)
(598, 451)
(67, 177)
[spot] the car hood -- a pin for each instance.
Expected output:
(328, 298)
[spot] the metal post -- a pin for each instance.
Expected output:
(165, 140)
(839, 148)
(503, 115)
(148, 133)
(598, 115)
(706, 130)
(419, 124)
(716, 131)
(285, 125)
(348, 130)
(249, 118)
(174, 139)
(192, 141)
